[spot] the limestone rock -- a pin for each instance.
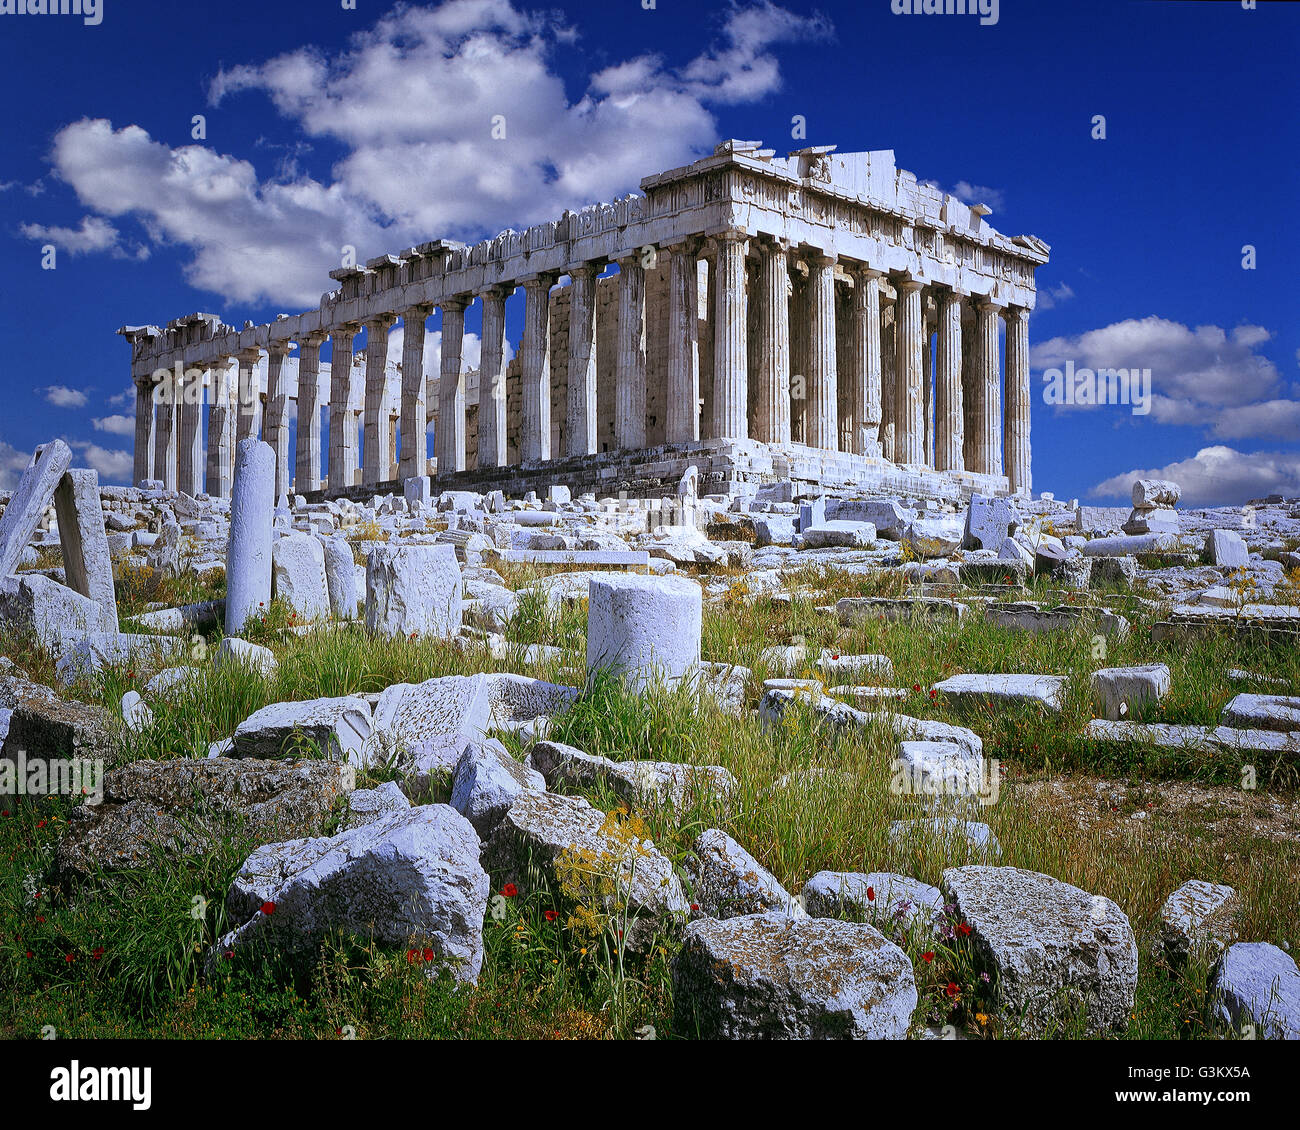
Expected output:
(772, 977)
(1119, 692)
(1257, 984)
(338, 727)
(1049, 948)
(298, 576)
(728, 882)
(487, 782)
(1197, 916)
(366, 806)
(880, 897)
(413, 589)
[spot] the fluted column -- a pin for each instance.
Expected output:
(449, 437)
(142, 455)
(909, 403)
(276, 427)
(683, 422)
(343, 436)
(492, 379)
(988, 376)
(535, 369)
(823, 395)
(864, 363)
(168, 429)
(949, 422)
(630, 366)
(249, 409)
(190, 472)
(1016, 411)
(375, 416)
(927, 386)
(414, 411)
(731, 340)
(972, 392)
(580, 408)
(888, 363)
(221, 449)
(772, 296)
(306, 470)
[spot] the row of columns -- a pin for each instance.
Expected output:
(864, 387)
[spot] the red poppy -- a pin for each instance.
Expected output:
(963, 929)
(39, 918)
(934, 694)
(229, 954)
(510, 890)
(953, 989)
(551, 916)
(928, 957)
(410, 956)
(695, 906)
(429, 955)
(268, 908)
(916, 687)
(871, 894)
(97, 953)
(29, 953)
(40, 823)
(69, 957)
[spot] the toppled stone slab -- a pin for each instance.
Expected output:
(880, 897)
(773, 977)
(413, 877)
(975, 837)
(995, 690)
(298, 576)
(58, 617)
(426, 727)
(1256, 992)
(543, 830)
(366, 806)
(190, 805)
(727, 882)
(413, 590)
(1119, 692)
(989, 522)
(338, 727)
(854, 610)
(1226, 549)
(1209, 738)
(1024, 616)
(646, 784)
(1049, 948)
(1197, 917)
(487, 782)
(90, 654)
(839, 534)
(1263, 712)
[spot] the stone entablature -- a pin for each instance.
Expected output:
(869, 261)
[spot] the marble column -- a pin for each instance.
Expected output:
(988, 376)
(221, 447)
(949, 422)
(772, 296)
(822, 425)
(972, 391)
(190, 474)
(864, 360)
(909, 401)
(306, 468)
(580, 409)
(1016, 411)
(168, 429)
(683, 419)
(275, 430)
(630, 363)
(798, 315)
(375, 415)
(343, 436)
(535, 371)
(888, 359)
(145, 432)
(449, 436)
(730, 340)
(492, 379)
(249, 409)
(927, 386)
(414, 412)
(846, 389)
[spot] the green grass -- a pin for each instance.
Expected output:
(136, 946)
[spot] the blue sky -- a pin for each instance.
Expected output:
(370, 126)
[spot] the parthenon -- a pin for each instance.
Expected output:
(822, 316)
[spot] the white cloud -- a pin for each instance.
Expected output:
(1206, 377)
(1053, 296)
(63, 397)
(115, 425)
(12, 465)
(94, 234)
(113, 466)
(995, 198)
(1217, 476)
(412, 102)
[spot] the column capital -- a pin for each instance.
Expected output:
(985, 303)
(345, 329)
(906, 283)
(420, 310)
(279, 348)
(772, 244)
(542, 278)
(864, 272)
(687, 245)
(250, 356)
(315, 338)
(380, 321)
(455, 302)
(818, 257)
(1015, 314)
(588, 266)
(497, 290)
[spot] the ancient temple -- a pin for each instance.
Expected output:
(821, 317)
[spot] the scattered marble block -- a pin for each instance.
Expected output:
(1044, 690)
(252, 655)
(298, 576)
(838, 534)
(989, 523)
(1263, 712)
(1119, 692)
(1197, 917)
(1256, 992)
(644, 627)
(1226, 549)
(880, 897)
(338, 727)
(413, 590)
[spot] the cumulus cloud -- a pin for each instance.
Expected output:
(413, 102)
(113, 466)
(63, 397)
(1052, 296)
(1205, 377)
(12, 465)
(1216, 476)
(94, 234)
(115, 425)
